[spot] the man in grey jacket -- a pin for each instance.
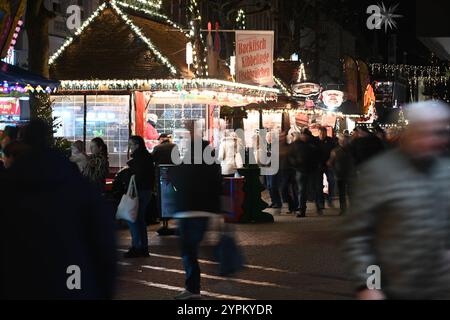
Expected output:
(397, 236)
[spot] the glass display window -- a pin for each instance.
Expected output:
(69, 114)
(107, 117)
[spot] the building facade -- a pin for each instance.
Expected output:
(58, 29)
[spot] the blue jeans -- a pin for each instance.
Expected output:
(273, 185)
(192, 231)
(138, 229)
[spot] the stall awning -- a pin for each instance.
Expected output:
(14, 75)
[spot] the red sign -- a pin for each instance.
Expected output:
(9, 107)
(254, 57)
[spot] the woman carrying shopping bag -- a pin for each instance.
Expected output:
(142, 167)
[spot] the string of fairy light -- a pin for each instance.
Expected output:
(159, 56)
(69, 41)
(152, 14)
(429, 74)
(146, 40)
(240, 19)
(167, 84)
(196, 19)
(150, 4)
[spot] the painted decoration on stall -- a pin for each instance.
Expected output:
(9, 106)
(301, 119)
(254, 57)
(369, 99)
(333, 99)
(151, 134)
(10, 13)
(306, 89)
(328, 120)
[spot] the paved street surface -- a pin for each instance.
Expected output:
(290, 259)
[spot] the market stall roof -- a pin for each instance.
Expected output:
(120, 41)
(287, 71)
(14, 75)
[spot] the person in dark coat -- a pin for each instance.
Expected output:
(97, 167)
(198, 186)
(143, 168)
(326, 145)
(305, 158)
(162, 153)
(54, 222)
(341, 161)
(289, 188)
(365, 145)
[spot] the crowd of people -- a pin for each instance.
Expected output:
(306, 161)
(393, 187)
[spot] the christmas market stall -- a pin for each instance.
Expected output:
(302, 104)
(130, 70)
(16, 85)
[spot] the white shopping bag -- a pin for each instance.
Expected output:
(129, 204)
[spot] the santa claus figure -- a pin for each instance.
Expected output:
(150, 132)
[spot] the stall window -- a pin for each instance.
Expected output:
(169, 118)
(107, 117)
(69, 114)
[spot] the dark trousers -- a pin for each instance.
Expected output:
(192, 231)
(344, 191)
(289, 189)
(303, 181)
(273, 185)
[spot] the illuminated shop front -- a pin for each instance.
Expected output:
(16, 85)
(138, 82)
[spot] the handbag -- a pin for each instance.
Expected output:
(129, 204)
(228, 255)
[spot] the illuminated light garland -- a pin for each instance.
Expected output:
(430, 80)
(280, 84)
(160, 16)
(409, 70)
(301, 73)
(240, 19)
(154, 14)
(200, 66)
(134, 28)
(164, 84)
(6, 88)
(147, 41)
(69, 41)
(156, 4)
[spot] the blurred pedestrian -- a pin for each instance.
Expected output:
(97, 168)
(230, 155)
(10, 135)
(79, 156)
(198, 186)
(365, 145)
(162, 153)
(326, 145)
(288, 183)
(305, 158)
(13, 152)
(341, 162)
(52, 246)
(400, 215)
(393, 136)
(142, 167)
